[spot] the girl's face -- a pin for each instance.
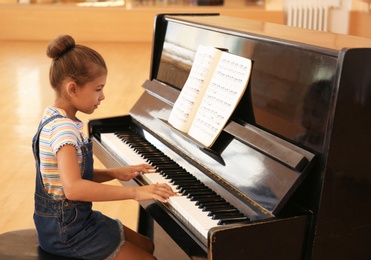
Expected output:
(91, 94)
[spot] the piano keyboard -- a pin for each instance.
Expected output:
(199, 207)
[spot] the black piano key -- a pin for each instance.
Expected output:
(199, 197)
(202, 192)
(233, 220)
(166, 174)
(134, 143)
(186, 182)
(189, 186)
(153, 156)
(156, 158)
(165, 166)
(227, 215)
(162, 169)
(134, 139)
(161, 163)
(174, 174)
(215, 209)
(182, 179)
(212, 207)
(193, 185)
(187, 193)
(160, 160)
(210, 203)
(141, 145)
(175, 179)
(214, 199)
(190, 190)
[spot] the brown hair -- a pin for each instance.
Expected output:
(74, 61)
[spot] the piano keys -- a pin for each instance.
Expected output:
(286, 178)
(199, 207)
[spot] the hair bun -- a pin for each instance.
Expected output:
(60, 46)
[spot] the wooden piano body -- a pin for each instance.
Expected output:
(293, 155)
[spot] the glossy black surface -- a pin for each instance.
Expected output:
(274, 102)
(294, 156)
(288, 97)
(256, 177)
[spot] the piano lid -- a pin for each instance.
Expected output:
(280, 123)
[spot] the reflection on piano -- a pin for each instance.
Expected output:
(287, 177)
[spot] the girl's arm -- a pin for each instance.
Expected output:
(124, 173)
(76, 188)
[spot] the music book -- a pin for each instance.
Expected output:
(214, 87)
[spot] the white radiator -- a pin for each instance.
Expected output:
(310, 14)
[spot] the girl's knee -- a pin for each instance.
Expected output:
(132, 251)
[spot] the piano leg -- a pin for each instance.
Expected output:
(145, 224)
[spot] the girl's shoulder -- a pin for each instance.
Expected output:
(61, 130)
(60, 121)
(50, 112)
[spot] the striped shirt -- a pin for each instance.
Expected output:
(54, 135)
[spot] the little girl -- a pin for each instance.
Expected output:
(66, 183)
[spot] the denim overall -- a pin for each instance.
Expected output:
(72, 228)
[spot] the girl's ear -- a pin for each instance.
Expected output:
(71, 89)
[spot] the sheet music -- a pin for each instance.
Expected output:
(226, 88)
(213, 89)
(192, 93)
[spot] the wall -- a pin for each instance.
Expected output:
(112, 24)
(44, 22)
(360, 24)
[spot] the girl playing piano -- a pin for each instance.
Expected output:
(66, 182)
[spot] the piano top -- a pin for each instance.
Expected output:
(276, 31)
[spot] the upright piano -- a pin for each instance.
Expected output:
(287, 178)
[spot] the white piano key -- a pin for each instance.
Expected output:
(120, 149)
(185, 207)
(191, 213)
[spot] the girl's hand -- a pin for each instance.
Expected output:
(126, 173)
(160, 192)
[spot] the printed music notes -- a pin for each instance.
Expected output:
(212, 91)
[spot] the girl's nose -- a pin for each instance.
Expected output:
(102, 96)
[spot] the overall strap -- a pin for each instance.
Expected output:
(35, 140)
(36, 149)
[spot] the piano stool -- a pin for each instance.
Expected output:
(23, 245)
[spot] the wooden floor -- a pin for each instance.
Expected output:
(25, 92)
